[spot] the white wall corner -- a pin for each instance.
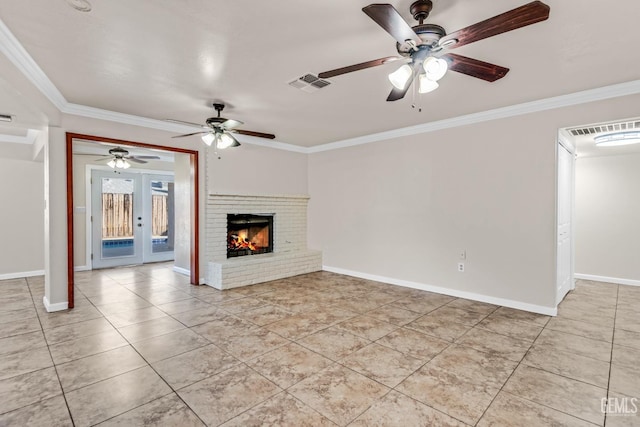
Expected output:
(518, 305)
(40, 139)
(54, 307)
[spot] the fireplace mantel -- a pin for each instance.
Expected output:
(290, 255)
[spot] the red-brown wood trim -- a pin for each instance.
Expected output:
(195, 234)
(70, 263)
(195, 202)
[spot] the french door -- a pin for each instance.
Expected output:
(132, 218)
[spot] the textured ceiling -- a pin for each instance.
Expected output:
(168, 59)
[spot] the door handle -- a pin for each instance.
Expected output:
(139, 225)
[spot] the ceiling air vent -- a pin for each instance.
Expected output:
(309, 83)
(608, 127)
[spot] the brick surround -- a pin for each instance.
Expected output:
(290, 255)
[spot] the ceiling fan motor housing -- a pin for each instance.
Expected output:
(118, 152)
(215, 121)
(430, 34)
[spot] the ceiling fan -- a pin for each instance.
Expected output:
(219, 130)
(119, 158)
(425, 46)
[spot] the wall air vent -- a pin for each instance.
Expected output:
(603, 128)
(309, 83)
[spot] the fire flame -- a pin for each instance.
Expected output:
(238, 242)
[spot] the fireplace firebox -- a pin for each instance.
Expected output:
(249, 234)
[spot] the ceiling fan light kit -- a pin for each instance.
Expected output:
(424, 46)
(401, 76)
(222, 140)
(119, 163)
(434, 68)
(427, 85)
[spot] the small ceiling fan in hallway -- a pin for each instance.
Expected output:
(425, 46)
(119, 158)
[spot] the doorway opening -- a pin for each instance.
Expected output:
(606, 184)
(130, 213)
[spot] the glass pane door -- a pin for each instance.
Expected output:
(116, 219)
(159, 236)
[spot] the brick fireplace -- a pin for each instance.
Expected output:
(235, 216)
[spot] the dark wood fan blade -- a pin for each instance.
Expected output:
(396, 93)
(522, 16)
(180, 122)
(390, 20)
(252, 133)
(136, 160)
(189, 134)
(474, 67)
(358, 67)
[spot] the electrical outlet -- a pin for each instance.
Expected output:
(461, 267)
(463, 254)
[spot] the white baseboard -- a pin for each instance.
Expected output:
(21, 274)
(181, 270)
(548, 311)
(54, 307)
(186, 272)
(615, 280)
(82, 268)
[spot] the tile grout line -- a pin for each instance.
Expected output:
(173, 391)
(613, 336)
(512, 372)
(55, 368)
(563, 376)
(450, 343)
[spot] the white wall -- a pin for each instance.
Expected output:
(21, 217)
(252, 169)
(402, 209)
(182, 222)
(607, 217)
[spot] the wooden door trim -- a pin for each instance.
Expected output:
(195, 203)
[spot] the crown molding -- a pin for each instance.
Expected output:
(122, 118)
(583, 97)
(14, 51)
(17, 54)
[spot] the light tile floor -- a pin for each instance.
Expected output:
(143, 347)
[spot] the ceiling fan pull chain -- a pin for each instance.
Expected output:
(413, 100)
